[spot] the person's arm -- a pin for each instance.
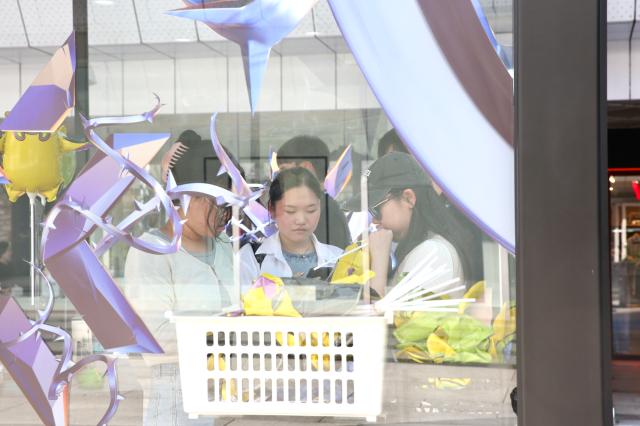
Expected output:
(379, 251)
(249, 268)
(148, 286)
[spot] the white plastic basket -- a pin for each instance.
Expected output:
(320, 366)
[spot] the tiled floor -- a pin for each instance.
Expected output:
(411, 396)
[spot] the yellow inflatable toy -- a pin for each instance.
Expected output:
(31, 162)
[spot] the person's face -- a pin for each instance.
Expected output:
(297, 214)
(394, 213)
(204, 218)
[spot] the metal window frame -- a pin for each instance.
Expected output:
(563, 296)
(562, 263)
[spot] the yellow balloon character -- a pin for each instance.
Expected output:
(31, 162)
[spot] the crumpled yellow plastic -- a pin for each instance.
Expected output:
(256, 302)
(32, 162)
(438, 349)
(449, 383)
(475, 292)
(504, 329)
(350, 268)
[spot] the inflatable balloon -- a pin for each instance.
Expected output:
(32, 162)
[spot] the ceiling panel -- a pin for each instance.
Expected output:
(48, 22)
(301, 46)
(187, 50)
(335, 43)
(112, 22)
(158, 27)
(131, 52)
(207, 34)
(325, 24)
(26, 55)
(305, 28)
(11, 29)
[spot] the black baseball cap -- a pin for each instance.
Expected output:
(396, 170)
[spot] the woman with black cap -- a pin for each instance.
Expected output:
(408, 211)
(197, 278)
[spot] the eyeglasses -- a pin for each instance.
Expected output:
(375, 212)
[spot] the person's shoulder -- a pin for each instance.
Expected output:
(152, 236)
(330, 251)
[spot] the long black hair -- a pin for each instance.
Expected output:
(189, 165)
(293, 178)
(431, 214)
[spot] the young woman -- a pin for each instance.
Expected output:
(197, 278)
(408, 211)
(294, 204)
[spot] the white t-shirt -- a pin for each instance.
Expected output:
(444, 253)
(177, 282)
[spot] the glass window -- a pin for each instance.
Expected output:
(348, 244)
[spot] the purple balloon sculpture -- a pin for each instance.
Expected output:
(438, 78)
(50, 97)
(72, 261)
(41, 377)
(256, 27)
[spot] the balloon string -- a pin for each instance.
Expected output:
(32, 224)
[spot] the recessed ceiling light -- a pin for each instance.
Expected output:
(182, 40)
(103, 2)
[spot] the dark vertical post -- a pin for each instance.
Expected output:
(564, 354)
(81, 29)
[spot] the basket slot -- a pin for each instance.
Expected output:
(304, 390)
(257, 387)
(291, 362)
(267, 362)
(268, 390)
(279, 362)
(350, 392)
(337, 363)
(246, 392)
(315, 390)
(222, 362)
(211, 389)
(326, 387)
(244, 360)
(337, 339)
(209, 338)
(255, 338)
(338, 391)
(233, 362)
(349, 340)
(291, 391)
(221, 338)
(244, 338)
(267, 338)
(303, 362)
(279, 390)
(232, 338)
(302, 339)
(326, 362)
(256, 362)
(350, 363)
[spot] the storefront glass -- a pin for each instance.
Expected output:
(454, 362)
(625, 208)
